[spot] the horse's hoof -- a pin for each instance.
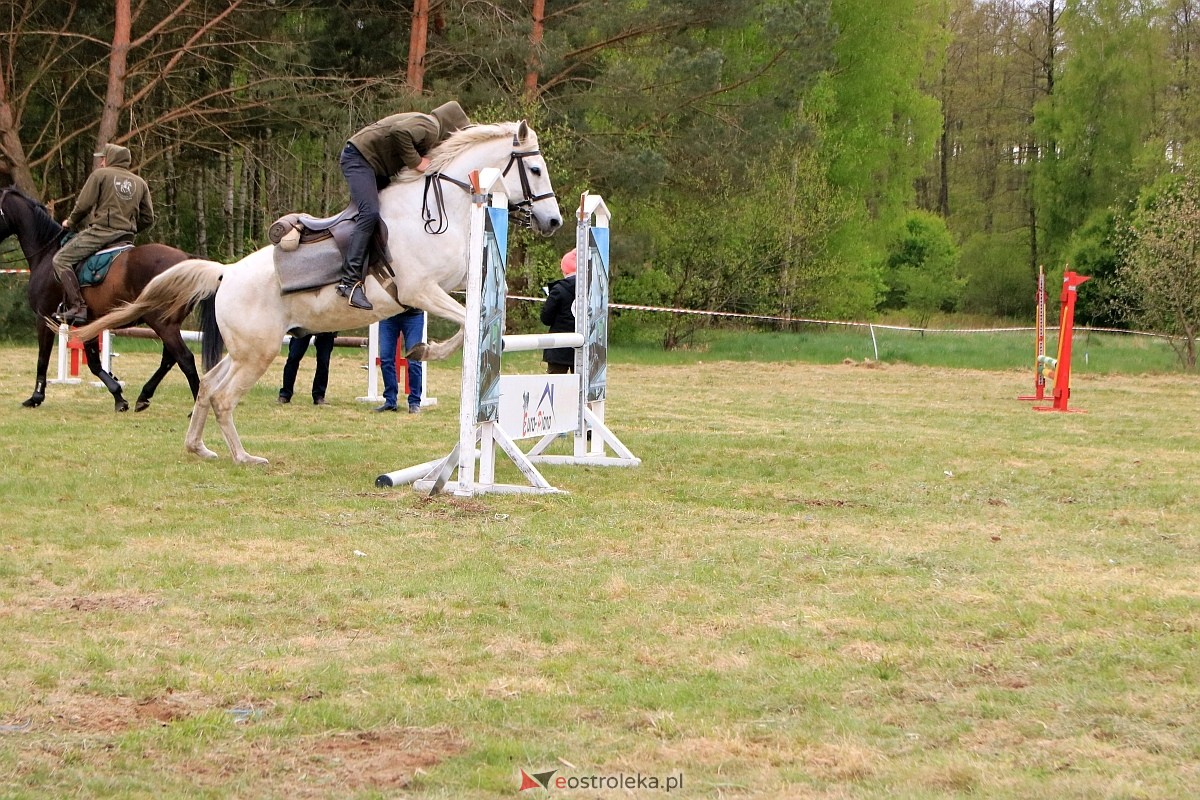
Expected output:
(141, 405)
(419, 352)
(203, 452)
(248, 460)
(32, 402)
(122, 407)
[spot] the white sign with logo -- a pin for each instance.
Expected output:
(537, 405)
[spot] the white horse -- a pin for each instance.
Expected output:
(253, 314)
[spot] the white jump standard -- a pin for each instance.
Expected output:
(498, 410)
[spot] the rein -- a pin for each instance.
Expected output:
(521, 211)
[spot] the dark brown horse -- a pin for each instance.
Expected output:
(39, 236)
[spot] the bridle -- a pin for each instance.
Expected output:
(520, 211)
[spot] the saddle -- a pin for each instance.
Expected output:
(93, 269)
(300, 270)
(292, 230)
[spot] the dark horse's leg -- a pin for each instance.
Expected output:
(92, 350)
(46, 336)
(175, 351)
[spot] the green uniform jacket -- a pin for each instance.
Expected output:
(113, 198)
(398, 141)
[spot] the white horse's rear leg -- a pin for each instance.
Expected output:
(194, 441)
(239, 380)
(437, 302)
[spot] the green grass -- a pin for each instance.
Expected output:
(825, 580)
(1095, 353)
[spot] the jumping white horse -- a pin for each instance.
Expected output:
(253, 314)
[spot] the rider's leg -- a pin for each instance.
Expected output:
(64, 271)
(364, 194)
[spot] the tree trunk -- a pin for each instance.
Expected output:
(535, 44)
(172, 187)
(114, 96)
(201, 212)
(417, 44)
(12, 152)
(227, 207)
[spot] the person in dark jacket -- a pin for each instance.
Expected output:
(369, 160)
(113, 205)
(559, 313)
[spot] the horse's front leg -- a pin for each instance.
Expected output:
(92, 350)
(46, 336)
(193, 442)
(436, 351)
(435, 301)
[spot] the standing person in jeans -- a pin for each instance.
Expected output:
(297, 347)
(409, 324)
(559, 313)
(113, 205)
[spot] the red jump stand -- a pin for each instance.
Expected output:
(1066, 329)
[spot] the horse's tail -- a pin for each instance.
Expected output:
(212, 345)
(171, 293)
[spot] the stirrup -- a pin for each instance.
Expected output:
(73, 316)
(356, 295)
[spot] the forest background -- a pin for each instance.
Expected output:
(838, 159)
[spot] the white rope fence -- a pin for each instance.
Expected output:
(871, 326)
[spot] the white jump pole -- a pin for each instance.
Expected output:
(372, 395)
(64, 372)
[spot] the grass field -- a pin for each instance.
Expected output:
(826, 580)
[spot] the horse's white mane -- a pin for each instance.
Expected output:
(459, 141)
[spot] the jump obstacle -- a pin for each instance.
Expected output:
(1058, 369)
(1039, 346)
(498, 410)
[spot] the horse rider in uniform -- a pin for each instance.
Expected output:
(113, 205)
(371, 157)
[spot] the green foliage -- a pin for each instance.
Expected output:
(1098, 124)
(995, 268)
(921, 271)
(1093, 251)
(1161, 269)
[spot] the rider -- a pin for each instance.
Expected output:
(369, 160)
(114, 204)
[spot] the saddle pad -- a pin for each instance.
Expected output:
(93, 269)
(311, 267)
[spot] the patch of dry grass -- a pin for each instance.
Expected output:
(824, 581)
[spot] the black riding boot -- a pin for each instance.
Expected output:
(76, 310)
(350, 286)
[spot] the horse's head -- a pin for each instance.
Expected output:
(30, 222)
(7, 227)
(511, 147)
(527, 177)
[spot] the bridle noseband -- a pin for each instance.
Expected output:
(520, 211)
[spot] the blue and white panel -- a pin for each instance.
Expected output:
(491, 314)
(597, 313)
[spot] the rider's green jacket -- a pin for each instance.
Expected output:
(401, 140)
(113, 198)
